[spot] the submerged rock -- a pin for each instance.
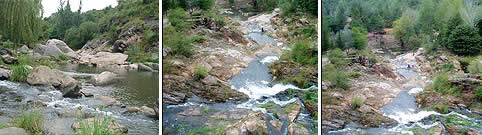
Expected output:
(43, 75)
(112, 126)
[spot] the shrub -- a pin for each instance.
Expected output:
(303, 53)
(200, 73)
(8, 44)
(354, 74)
(206, 4)
(177, 42)
(338, 79)
(267, 105)
(20, 72)
(465, 40)
(337, 57)
(137, 54)
(30, 121)
(446, 67)
(77, 37)
(206, 110)
(198, 39)
(177, 18)
(442, 84)
(475, 67)
(287, 7)
(441, 108)
(356, 102)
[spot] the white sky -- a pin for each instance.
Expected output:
(51, 6)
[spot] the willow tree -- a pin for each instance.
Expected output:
(20, 20)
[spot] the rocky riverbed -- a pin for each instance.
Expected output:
(395, 102)
(92, 83)
(239, 94)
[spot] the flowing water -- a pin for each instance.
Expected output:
(254, 81)
(405, 111)
(133, 89)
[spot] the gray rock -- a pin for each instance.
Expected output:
(103, 78)
(86, 94)
(23, 49)
(60, 45)
(58, 126)
(102, 59)
(4, 74)
(147, 111)
(133, 67)
(108, 101)
(154, 66)
(210, 80)
(233, 114)
(43, 75)
(296, 129)
(7, 59)
(45, 50)
(13, 131)
(143, 67)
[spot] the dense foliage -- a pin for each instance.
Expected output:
(465, 40)
(20, 20)
(303, 53)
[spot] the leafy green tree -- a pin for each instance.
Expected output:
(453, 22)
(310, 6)
(339, 42)
(359, 37)
(287, 7)
(404, 27)
(337, 57)
(20, 20)
(375, 23)
(465, 40)
(427, 16)
(325, 36)
(77, 37)
(206, 4)
(340, 19)
(267, 5)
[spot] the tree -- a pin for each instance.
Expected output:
(77, 37)
(21, 20)
(310, 6)
(339, 42)
(465, 40)
(340, 18)
(453, 22)
(325, 36)
(427, 16)
(359, 37)
(404, 27)
(206, 4)
(287, 7)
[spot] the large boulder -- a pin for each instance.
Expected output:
(254, 123)
(23, 49)
(45, 50)
(113, 126)
(105, 58)
(296, 129)
(13, 131)
(4, 74)
(43, 75)
(103, 78)
(59, 44)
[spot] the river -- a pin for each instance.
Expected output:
(134, 89)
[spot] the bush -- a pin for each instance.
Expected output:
(30, 121)
(356, 102)
(77, 37)
(177, 18)
(287, 7)
(441, 108)
(354, 74)
(338, 79)
(303, 53)
(206, 4)
(442, 84)
(200, 73)
(337, 57)
(465, 40)
(475, 67)
(20, 73)
(177, 42)
(267, 105)
(198, 39)
(137, 54)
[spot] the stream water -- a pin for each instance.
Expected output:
(405, 110)
(134, 89)
(254, 81)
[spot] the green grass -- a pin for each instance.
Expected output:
(200, 73)
(19, 72)
(356, 102)
(445, 67)
(475, 67)
(478, 93)
(442, 84)
(441, 108)
(99, 127)
(137, 54)
(198, 39)
(5, 126)
(311, 96)
(31, 121)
